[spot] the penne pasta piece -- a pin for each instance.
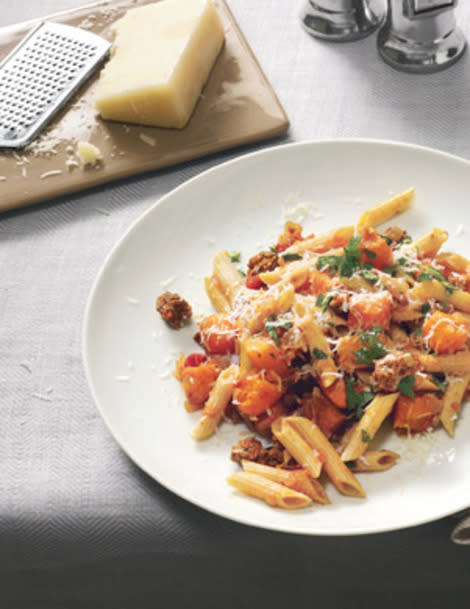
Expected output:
(457, 363)
(431, 242)
(332, 239)
(246, 367)
(214, 408)
(384, 211)
(275, 301)
(304, 310)
(216, 295)
(306, 456)
(406, 313)
(454, 262)
(297, 479)
(428, 290)
(452, 401)
(296, 272)
(365, 430)
(337, 471)
(374, 461)
(228, 278)
(274, 494)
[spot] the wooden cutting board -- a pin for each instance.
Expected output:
(237, 106)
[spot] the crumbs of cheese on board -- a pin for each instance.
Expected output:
(50, 174)
(88, 153)
(147, 139)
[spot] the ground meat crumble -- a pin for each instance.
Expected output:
(173, 309)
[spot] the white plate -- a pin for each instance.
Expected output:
(241, 205)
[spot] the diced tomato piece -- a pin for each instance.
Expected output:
(254, 395)
(418, 414)
(370, 310)
(375, 244)
(253, 282)
(197, 383)
(446, 332)
(264, 355)
(195, 359)
(292, 233)
(218, 334)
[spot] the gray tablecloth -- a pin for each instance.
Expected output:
(80, 525)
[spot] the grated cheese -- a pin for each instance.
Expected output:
(147, 139)
(50, 174)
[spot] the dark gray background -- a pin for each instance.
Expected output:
(80, 526)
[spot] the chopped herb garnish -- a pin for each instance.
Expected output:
(319, 354)
(289, 257)
(425, 308)
(418, 331)
(440, 384)
(429, 273)
(242, 273)
(365, 436)
(406, 385)
(370, 254)
(352, 254)
(271, 325)
(406, 240)
(356, 401)
(373, 349)
(388, 241)
(234, 256)
(332, 263)
(347, 264)
(273, 248)
(402, 261)
(370, 276)
(391, 270)
(323, 301)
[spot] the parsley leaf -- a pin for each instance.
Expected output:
(234, 256)
(271, 325)
(370, 254)
(319, 354)
(373, 348)
(289, 257)
(429, 273)
(425, 308)
(370, 276)
(406, 385)
(332, 263)
(440, 384)
(323, 301)
(350, 261)
(388, 241)
(273, 248)
(242, 273)
(347, 264)
(365, 436)
(357, 401)
(391, 270)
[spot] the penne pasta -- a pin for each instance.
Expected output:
(431, 242)
(302, 452)
(274, 494)
(453, 395)
(365, 430)
(298, 480)
(337, 471)
(333, 239)
(457, 363)
(216, 295)
(434, 290)
(275, 301)
(229, 280)
(214, 408)
(383, 212)
(374, 461)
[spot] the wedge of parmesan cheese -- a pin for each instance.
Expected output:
(161, 58)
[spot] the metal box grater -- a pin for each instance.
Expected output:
(41, 74)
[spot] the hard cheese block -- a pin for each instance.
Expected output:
(161, 58)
